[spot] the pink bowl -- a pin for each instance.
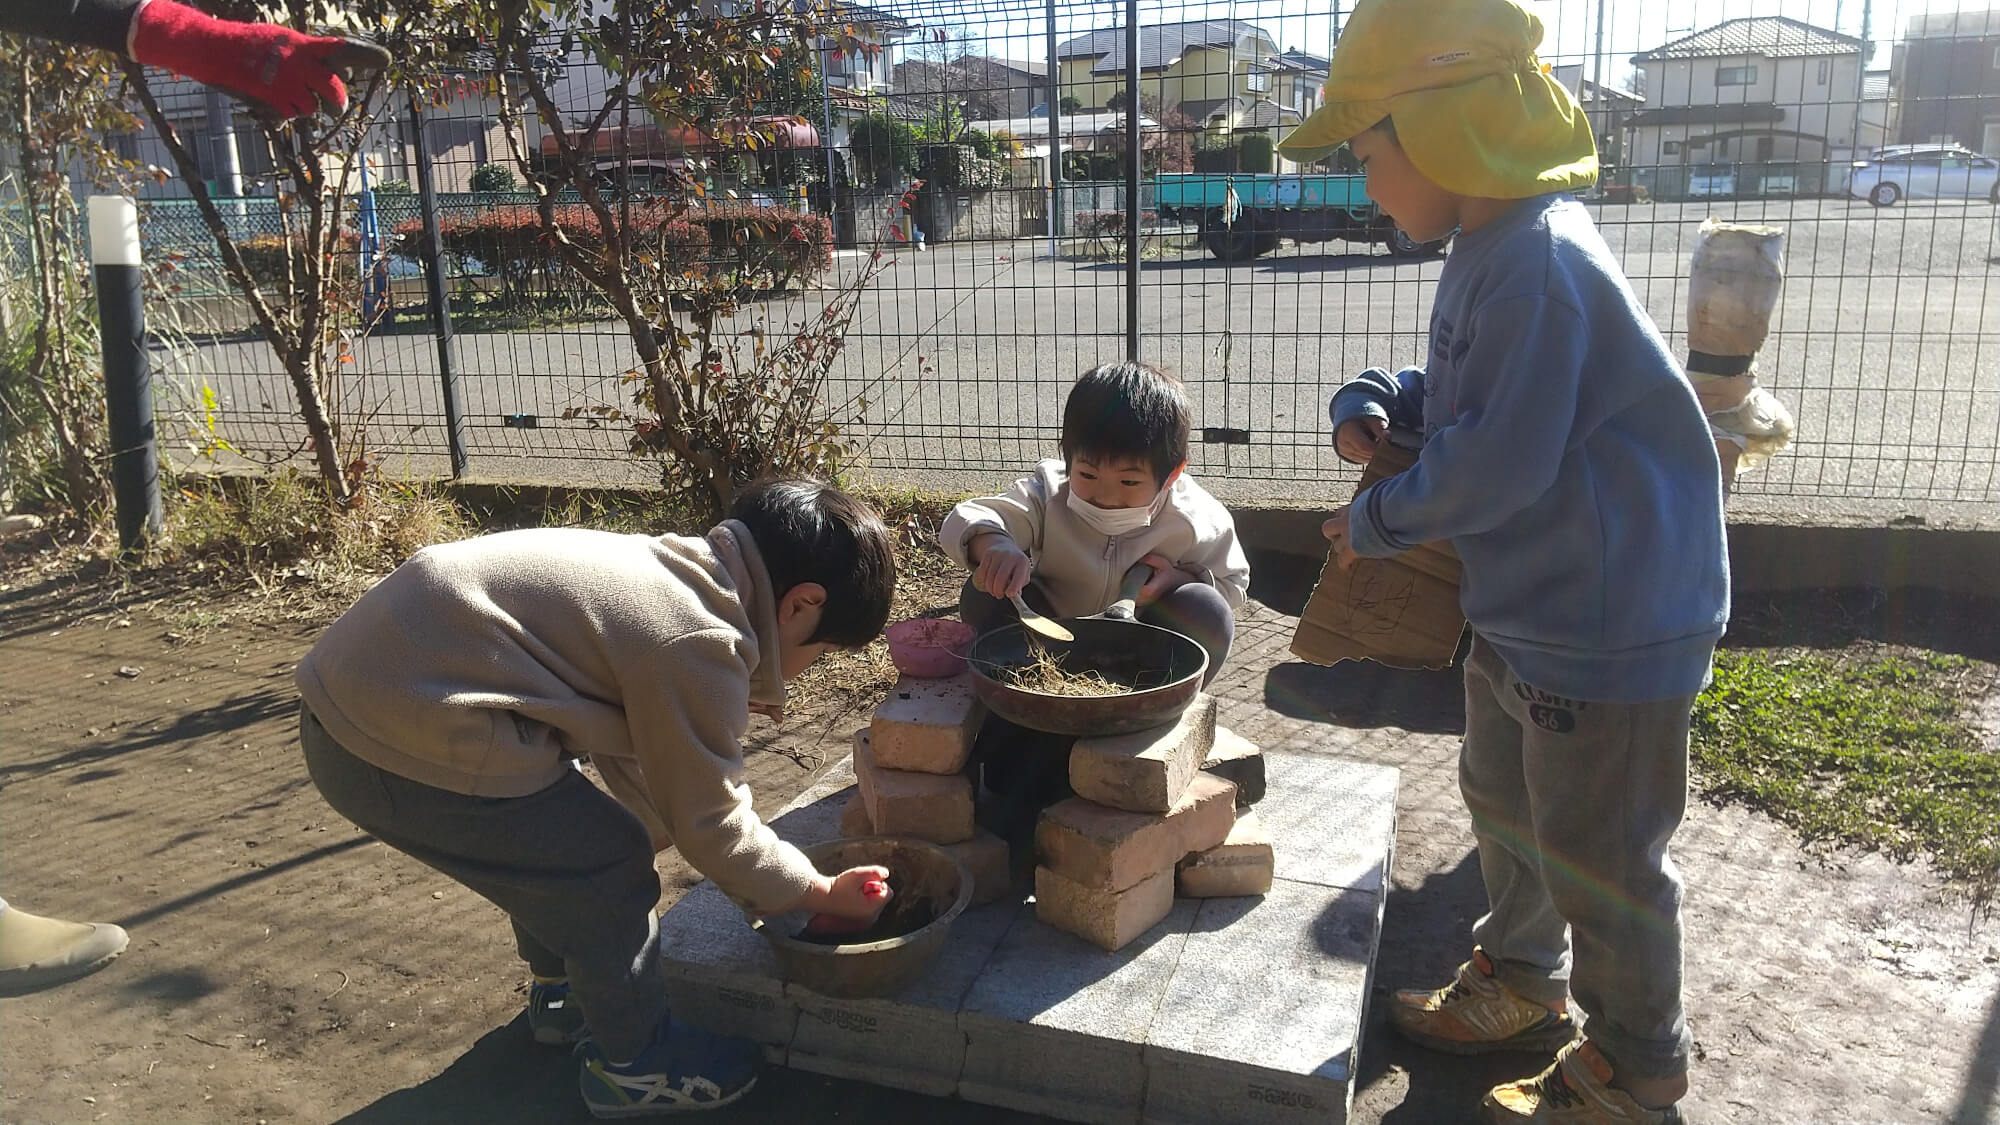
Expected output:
(929, 648)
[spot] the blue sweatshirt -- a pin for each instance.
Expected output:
(1566, 459)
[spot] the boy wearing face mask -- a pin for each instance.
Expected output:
(1065, 537)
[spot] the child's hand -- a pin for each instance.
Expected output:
(851, 900)
(1003, 567)
(1166, 579)
(1357, 438)
(1335, 530)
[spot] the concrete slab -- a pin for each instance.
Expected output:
(1056, 1026)
(1242, 1009)
(1263, 1015)
(1333, 820)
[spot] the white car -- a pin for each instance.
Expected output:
(1924, 172)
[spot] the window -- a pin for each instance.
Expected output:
(1825, 70)
(1735, 76)
(1258, 80)
(1765, 145)
(1670, 148)
(1996, 58)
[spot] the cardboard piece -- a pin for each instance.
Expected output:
(1401, 611)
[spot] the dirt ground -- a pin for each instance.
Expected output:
(285, 968)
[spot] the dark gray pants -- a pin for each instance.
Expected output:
(1195, 610)
(1573, 804)
(570, 865)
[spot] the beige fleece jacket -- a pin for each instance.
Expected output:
(483, 666)
(1079, 567)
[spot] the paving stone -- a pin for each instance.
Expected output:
(1334, 820)
(927, 725)
(1056, 1026)
(1145, 771)
(988, 861)
(1240, 865)
(1109, 919)
(1240, 761)
(1111, 849)
(928, 806)
(1262, 1017)
(910, 1041)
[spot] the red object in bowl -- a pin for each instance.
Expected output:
(929, 648)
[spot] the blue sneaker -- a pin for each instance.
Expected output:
(554, 1015)
(684, 1069)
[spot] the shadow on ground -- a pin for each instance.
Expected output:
(1928, 619)
(1424, 937)
(505, 1079)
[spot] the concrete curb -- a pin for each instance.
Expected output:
(1764, 556)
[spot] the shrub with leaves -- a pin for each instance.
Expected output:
(307, 315)
(493, 178)
(720, 394)
(749, 246)
(58, 106)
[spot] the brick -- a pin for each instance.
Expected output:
(928, 806)
(854, 820)
(1240, 761)
(927, 726)
(1241, 865)
(1301, 958)
(1107, 919)
(1145, 771)
(990, 864)
(1110, 849)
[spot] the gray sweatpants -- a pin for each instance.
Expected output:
(570, 865)
(1573, 804)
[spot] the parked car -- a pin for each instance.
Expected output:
(1935, 171)
(1709, 180)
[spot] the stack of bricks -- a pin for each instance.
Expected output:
(1154, 811)
(913, 765)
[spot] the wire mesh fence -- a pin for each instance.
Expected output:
(1867, 131)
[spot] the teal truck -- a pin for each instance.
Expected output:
(1243, 214)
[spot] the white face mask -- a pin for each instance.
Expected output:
(1117, 521)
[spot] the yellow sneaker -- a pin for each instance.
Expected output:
(1574, 1090)
(1475, 1014)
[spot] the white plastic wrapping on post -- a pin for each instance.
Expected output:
(1737, 273)
(114, 230)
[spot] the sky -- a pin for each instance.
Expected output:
(1017, 28)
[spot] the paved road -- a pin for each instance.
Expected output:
(1886, 346)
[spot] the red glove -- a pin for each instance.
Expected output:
(290, 72)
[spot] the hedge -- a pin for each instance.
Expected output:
(742, 242)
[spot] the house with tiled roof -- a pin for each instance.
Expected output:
(1764, 105)
(1222, 74)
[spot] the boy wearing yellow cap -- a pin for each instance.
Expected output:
(1566, 458)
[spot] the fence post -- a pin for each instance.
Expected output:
(1055, 136)
(1132, 180)
(433, 255)
(128, 387)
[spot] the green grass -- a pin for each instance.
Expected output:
(1872, 750)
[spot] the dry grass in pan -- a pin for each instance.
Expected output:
(1046, 675)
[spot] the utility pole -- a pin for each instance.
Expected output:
(1133, 180)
